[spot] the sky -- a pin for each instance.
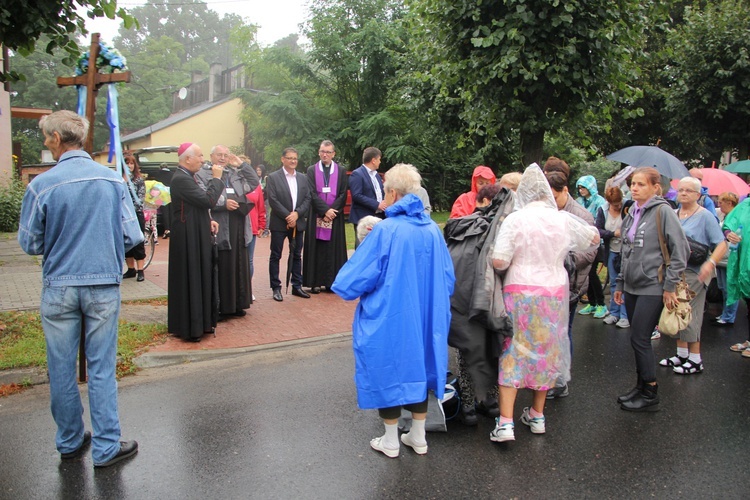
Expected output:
(276, 18)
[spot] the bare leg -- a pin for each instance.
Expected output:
(507, 401)
(540, 397)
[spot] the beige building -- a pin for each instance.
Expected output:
(205, 113)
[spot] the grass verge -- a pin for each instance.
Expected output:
(22, 341)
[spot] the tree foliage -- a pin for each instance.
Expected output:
(523, 67)
(708, 79)
(23, 23)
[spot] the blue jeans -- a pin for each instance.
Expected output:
(614, 309)
(62, 310)
(250, 252)
(729, 312)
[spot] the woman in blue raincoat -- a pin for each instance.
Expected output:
(403, 275)
(592, 201)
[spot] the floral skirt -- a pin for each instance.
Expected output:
(539, 352)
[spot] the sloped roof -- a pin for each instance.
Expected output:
(175, 118)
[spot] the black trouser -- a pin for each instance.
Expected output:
(138, 252)
(643, 312)
(277, 246)
(394, 412)
(595, 292)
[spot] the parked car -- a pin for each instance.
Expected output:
(157, 163)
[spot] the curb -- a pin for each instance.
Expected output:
(154, 360)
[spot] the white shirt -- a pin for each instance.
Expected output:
(291, 180)
(375, 185)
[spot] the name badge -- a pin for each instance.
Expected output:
(230, 190)
(326, 190)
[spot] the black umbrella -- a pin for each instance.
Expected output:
(651, 156)
(290, 260)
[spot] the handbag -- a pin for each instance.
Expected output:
(698, 252)
(678, 318)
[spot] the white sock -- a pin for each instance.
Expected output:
(390, 439)
(682, 352)
(417, 431)
(695, 357)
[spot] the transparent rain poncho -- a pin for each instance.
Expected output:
(531, 247)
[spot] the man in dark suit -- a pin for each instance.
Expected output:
(289, 197)
(366, 187)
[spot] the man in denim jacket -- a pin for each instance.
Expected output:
(79, 216)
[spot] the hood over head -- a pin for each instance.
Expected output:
(534, 187)
(589, 182)
(484, 173)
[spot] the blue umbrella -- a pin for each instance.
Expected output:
(651, 156)
(739, 167)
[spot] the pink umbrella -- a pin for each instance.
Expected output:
(720, 181)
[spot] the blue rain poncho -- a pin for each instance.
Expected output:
(403, 274)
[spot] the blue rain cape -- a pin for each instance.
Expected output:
(403, 274)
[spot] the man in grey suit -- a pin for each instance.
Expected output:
(289, 197)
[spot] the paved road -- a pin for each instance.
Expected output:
(284, 424)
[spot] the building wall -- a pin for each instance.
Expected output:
(218, 125)
(6, 144)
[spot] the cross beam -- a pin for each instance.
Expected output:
(92, 80)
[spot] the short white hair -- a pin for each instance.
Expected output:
(403, 178)
(190, 151)
(693, 182)
(365, 225)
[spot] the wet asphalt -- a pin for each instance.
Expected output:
(283, 423)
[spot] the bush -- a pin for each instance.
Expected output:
(10, 205)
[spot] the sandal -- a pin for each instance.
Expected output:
(688, 368)
(740, 346)
(673, 361)
(746, 353)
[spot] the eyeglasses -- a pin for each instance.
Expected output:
(323, 152)
(290, 159)
(686, 191)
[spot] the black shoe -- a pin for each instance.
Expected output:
(127, 449)
(240, 313)
(647, 399)
(632, 393)
(166, 234)
(558, 392)
(130, 273)
(299, 292)
(489, 409)
(81, 449)
(468, 416)
(315, 290)
(277, 295)
(140, 277)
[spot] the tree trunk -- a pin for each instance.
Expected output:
(742, 152)
(532, 144)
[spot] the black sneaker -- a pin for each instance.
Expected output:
(81, 449)
(130, 273)
(490, 409)
(468, 416)
(127, 449)
(558, 392)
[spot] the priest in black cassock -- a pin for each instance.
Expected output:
(191, 310)
(325, 241)
(231, 209)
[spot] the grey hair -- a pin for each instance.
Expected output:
(185, 154)
(403, 178)
(693, 182)
(327, 143)
(365, 225)
(71, 128)
(213, 149)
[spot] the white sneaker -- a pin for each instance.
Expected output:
(610, 320)
(502, 432)
(377, 444)
(536, 423)
(419, 449)
(623, 323)
(253, 298)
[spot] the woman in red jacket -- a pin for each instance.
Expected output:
(467, 202)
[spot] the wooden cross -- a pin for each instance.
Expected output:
(92, 80)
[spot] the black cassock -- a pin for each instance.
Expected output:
(191, 310)
(321, 259)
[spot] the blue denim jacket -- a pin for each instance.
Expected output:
(79, 216)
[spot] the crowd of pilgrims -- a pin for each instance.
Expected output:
(501, 284)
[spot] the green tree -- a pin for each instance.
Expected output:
(708, 97)
(23, 23)
(523, 67)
